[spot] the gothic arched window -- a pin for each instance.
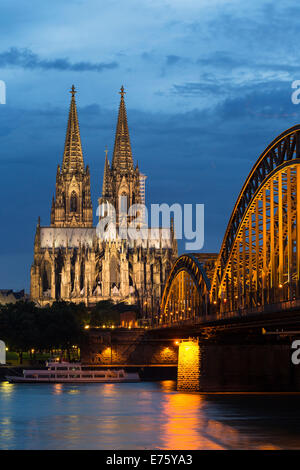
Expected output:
(73, 202)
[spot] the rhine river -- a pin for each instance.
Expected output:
(146, 415)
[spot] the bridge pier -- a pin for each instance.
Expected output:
(189, 365)
(211, 367)
(215, 359)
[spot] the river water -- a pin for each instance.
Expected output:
(146, 415)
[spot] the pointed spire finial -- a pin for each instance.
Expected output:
(122, 92)
(106, 187)
(73, 91)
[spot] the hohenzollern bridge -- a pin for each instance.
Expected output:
(259, 261)
(229, 322)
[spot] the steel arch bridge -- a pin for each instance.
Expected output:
(259, 260)
(186, 291)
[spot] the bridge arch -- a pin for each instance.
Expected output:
(186, 293)
(259, 260)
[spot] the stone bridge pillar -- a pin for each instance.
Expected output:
(213, 367)
(188, 371)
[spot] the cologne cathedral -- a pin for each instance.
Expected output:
(71, 262)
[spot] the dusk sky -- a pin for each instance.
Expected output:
(208, 87)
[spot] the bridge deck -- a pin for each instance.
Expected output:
(262, 313)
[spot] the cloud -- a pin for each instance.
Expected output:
(209, 94)
(173, 59)
(199, 156)
(221, 59)
(197, 88)
(26, 59)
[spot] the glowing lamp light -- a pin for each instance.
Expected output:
(215, 302)
(280, 286)
(176, 342)
(86, 327)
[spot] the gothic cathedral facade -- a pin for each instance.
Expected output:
(71, 262)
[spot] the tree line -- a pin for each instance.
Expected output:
(25, 327)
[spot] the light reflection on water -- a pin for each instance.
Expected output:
(147, 415)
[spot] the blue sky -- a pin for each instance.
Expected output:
(208, 87)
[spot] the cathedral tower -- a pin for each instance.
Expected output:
(122, 182)
(72, 206)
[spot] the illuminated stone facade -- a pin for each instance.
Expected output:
(71, 262)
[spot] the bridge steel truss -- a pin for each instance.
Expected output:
(259, 260)
(186, 293)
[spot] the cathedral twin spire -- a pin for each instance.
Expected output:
(121, 180)
(72, 206)
(122, 156)
(73, 157)
(72, 203)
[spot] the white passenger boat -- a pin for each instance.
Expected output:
(67, 372)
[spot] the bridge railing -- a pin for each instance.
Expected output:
(212, 317)
(258, 298)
